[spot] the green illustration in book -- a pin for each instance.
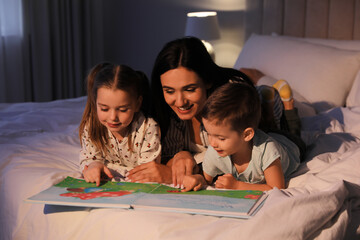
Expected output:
(151, 196)
(84, 191)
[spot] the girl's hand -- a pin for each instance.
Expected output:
(92, 173)
(150, 172)
(182, 164)
(193, 182)
(227, 181)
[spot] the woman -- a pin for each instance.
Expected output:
(183, 77)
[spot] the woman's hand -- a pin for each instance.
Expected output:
(182, 164)
(92, 173)
(150, 172)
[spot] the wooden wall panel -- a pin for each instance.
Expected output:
(357, 20)
(294, 18)
(273, 16)
(253, 17)
(341, 19)
(335, 19)
(317, 18)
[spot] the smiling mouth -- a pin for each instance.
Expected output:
(113, 125)
(219, 151)
(186, 108)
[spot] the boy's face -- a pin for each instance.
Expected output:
(224, 139)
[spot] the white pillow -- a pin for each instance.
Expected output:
(341, 44)
(353, 99)
(321, 74)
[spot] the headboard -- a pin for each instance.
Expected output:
(333, 19)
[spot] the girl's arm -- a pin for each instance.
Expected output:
(92, 173)
(274, 177)
(150, 169)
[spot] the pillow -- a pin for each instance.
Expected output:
(353, 99)
(341, 44)
(322, 75)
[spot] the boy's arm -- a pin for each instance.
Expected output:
(274, 177)
(209, 179)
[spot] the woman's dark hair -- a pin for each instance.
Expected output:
(188, 52)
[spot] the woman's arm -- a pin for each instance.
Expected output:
(151, 172)
(273, 175)
(182, 164)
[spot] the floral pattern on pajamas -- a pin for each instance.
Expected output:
(144, 137)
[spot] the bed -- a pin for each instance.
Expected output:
(39, 144)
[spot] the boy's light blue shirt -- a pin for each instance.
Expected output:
(266, 149)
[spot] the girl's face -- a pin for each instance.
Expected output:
(224, 139)
(184, 92)
(116, 109)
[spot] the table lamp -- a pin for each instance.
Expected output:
(205, 26)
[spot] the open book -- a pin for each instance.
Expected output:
(152, 196)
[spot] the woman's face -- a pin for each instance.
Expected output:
(184, 92)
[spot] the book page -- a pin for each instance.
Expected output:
(230, 203)
(150, 196)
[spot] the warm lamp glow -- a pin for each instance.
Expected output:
(205, 26)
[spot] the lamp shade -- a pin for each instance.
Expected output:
(203, 25)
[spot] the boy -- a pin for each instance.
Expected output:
(248, 158)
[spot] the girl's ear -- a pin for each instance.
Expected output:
(249, 134)
(138, 103)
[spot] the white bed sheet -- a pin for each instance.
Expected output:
(39, 147)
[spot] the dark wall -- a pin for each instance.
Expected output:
(136, 30)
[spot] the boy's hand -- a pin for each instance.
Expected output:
(92, 173)
(193, 182)
(227, 181)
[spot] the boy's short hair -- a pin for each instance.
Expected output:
(236, 103)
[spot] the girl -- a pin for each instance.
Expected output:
(114, 133)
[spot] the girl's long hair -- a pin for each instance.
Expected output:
(111, 76)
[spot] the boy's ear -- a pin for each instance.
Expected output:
(249, 134)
